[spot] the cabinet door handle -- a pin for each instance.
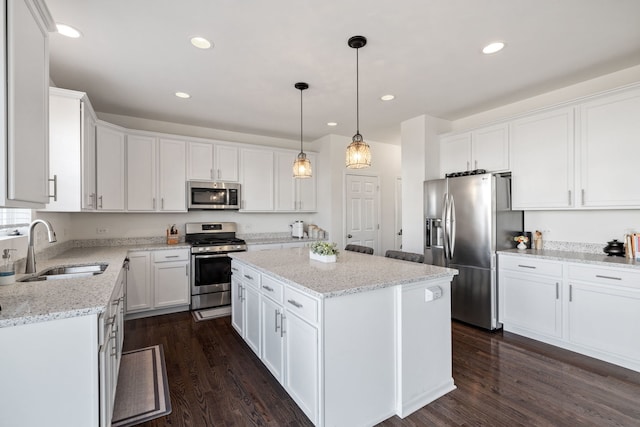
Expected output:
(569, 199)
(154, 203)
(186, 269)
(557, 290)
(527, 266)
(468, 165)
(55, 188)
(162, 201)
(475, 163)
(570, 293)
(248, 277)
(100, 204)
(218, 173)
(269, 288)
(294, 303)
(582, 196)
(211, 173)
(277, 313)
(240, 292)
(608, 277)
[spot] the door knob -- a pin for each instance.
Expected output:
(349, 236)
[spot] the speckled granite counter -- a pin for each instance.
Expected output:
(276, 239)
(580, 257)
(32, 302)
(352, 273)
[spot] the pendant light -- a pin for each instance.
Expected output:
(358, 152)
(302, 165)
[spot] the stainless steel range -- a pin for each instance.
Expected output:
(210, 264)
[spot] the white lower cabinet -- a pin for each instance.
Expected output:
(590, 309)
(245, 306)
(63, 372)
(604, 311)
(301, 364)
(272, 337)
(158, 282)
(530, 296)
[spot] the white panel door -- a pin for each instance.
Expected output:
(272, 337)
(139, 291)
(455, 153)
(171, 281)
(172, 170)
(110, 173)
(226, 163)
(362, 210)
(200, 161)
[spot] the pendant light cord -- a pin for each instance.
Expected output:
(357, 93)
(301, 121)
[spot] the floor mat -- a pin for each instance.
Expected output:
(211, 313)
(143, 391)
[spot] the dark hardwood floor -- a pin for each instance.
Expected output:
(502, 379)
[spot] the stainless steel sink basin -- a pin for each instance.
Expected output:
(67, 272)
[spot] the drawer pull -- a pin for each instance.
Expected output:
(269, 288)
(608, 277)
(172, 256)
(527, 266)
(234, 269)
(248, 277)
(294, 303)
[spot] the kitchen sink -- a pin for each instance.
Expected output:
(67, 272)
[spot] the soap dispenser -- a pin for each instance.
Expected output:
(7, 269)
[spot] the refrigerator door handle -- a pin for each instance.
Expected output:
(445, 232)
(452, 226)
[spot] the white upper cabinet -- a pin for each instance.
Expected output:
(110, 168)
(257, 173)
(610, 151)
(212, 162)
(25, 108)
(141, 173)
(294, 194)
(72, 151)
(542, 148)
(485, 148)
(172, 190)
(455, 153)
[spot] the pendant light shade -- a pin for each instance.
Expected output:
(358, 152)
(302, 165)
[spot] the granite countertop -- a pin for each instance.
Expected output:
(579, 257)
(32, 302)
(278, 239)
(352, 273)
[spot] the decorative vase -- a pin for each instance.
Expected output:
(522, 246)
(322, 258)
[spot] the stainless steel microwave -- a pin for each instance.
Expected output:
(213, 195)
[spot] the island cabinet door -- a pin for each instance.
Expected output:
(302, 364)
(251, 307)
(237, 310)
(272, 338)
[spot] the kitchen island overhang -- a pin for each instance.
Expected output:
(379, 331)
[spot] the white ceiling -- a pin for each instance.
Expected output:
(134, 54)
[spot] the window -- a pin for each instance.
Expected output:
(10, 218)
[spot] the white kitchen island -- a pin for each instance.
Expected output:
(353, 342)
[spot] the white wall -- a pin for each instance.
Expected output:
(385, 164)
(420, 162)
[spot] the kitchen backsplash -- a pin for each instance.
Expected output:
(592, 248)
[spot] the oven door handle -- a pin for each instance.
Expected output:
(210, 256)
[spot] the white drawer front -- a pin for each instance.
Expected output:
(272, 288)
(531, 265)
(604, 275)
(303, 305)
(251, 276)
(236, 268)
(171, 255)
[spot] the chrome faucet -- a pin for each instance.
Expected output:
(31, 256)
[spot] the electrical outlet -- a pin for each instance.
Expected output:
(102, 230)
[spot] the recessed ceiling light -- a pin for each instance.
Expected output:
(201, 42)
(493, 48)
(183, 95)
(332, 124)
(387, 97)
(68, 31)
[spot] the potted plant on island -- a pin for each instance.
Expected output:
(323, 251)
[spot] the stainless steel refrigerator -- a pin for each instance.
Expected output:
(468, 218)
